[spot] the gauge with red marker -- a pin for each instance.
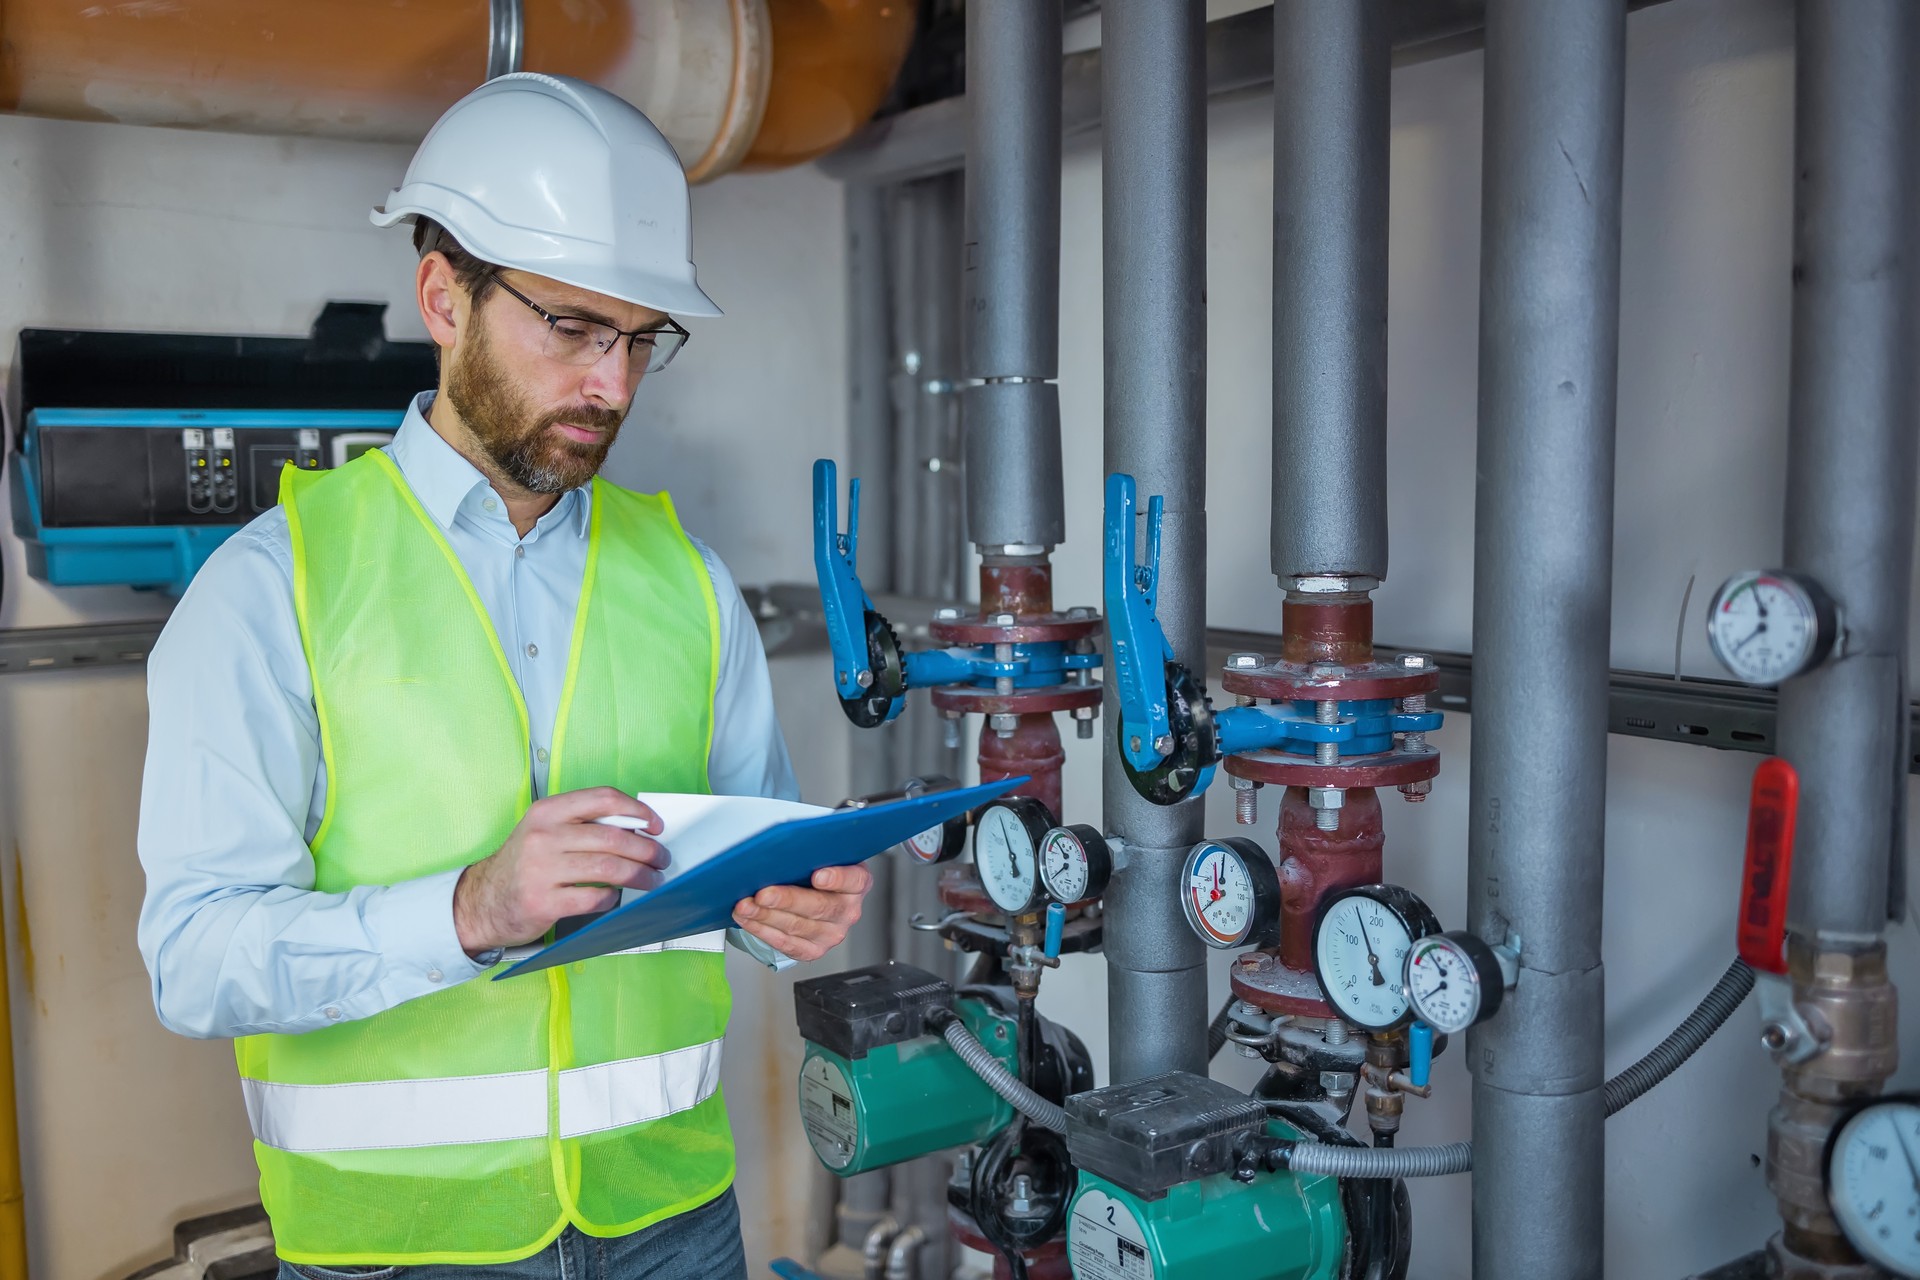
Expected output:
(1231, 894)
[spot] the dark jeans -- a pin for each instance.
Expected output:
(701, 1244)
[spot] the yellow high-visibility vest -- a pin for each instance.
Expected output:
(472, 1125)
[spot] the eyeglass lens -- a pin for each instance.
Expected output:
(575, 341)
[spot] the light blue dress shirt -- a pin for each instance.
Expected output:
(235, 936)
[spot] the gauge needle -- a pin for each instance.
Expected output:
(1379, 979)
(1906, 1149)
(1751, 636)
(1216, 883)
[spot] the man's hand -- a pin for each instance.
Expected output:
(558, 862)
(806, 923)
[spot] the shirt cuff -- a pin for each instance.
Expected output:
(766, 955)
(412, 923)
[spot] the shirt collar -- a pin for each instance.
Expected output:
(442, 479)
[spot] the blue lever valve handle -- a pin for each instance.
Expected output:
(1138, 654)
(1419, 1054)
(1056, 925)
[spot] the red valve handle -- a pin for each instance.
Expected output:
(1763, 888)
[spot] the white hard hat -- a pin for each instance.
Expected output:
(560, 178)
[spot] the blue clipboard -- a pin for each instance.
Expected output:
(702, 899)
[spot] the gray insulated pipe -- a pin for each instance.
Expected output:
(1011, 351)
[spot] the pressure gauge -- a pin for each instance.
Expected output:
(1006, 851)
(1873, 1182)
(1453, 980)
(936, 844)
(1075, 863)
(1766, 626)
(1360, 950)
(1232, 896)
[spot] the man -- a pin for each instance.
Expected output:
(389, 717)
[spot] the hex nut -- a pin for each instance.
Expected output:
(1003, 724)
(946, 613)
(1415, 661)
(1338, 1082)
(1418, 790)
(1001, 620)
(1242, 661)
(1085, 713)
(1326, 797)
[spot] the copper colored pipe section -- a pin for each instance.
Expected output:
(1022, 588)
(1033, 749)
(1323, 632)
(1315, 864)
(833, 63)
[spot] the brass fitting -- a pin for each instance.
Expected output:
(1847, 1001)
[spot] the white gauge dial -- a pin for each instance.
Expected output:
(1232, 894)
(1006, 854)
(1075, 863)
(1453, 981)
(1360, 953)
(1767, 627)
(1063, 866)
(1873, 1183)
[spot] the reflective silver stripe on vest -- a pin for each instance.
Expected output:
(448, 1111)
(715, 941)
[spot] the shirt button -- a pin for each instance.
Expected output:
(490, 505)
(332, 1012)
(541, 755)
(533, 651)
(519, 553)
(434, 975)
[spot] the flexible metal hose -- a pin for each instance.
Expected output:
(1003, 1082)
(1708, 1017)
(1217, 1030)
(1381, 1162)
(1457, 1157)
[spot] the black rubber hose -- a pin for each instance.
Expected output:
(1708, 1017)
(1217, 1030)
(1457, 1157)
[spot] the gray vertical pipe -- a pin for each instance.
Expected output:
(1153, 234)
(1012, 274)
(1850, 452)
(1543, 557)
(1331, 65)
(863, 1200)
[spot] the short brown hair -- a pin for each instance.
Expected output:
(473, 275)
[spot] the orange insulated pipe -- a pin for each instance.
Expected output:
(833, 63)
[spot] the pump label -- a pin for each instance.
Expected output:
(826, 1111)
(1105, 1241)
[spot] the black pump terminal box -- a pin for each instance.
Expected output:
(1154, 1134)
(851, 1013)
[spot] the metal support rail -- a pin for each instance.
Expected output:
(1722, 714)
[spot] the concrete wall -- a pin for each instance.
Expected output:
(127, 1129)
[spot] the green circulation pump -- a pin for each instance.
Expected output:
(1157, 1199)
(877, 1086)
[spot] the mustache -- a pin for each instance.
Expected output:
(605, 421)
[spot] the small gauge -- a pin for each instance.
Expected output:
(1232, 894)
(1453, 980)
(1768, 626)
(943, 843)
(1075, 863)
(1873, 1182)
(1006, 851)
(1360, 952)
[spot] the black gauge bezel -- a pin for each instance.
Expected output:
(1093, 846)
(1826, 622)
(953, 832)
(1848, 1114)
(1413, 913)
(1489, 978)
(1037, 819)
(1263, 919)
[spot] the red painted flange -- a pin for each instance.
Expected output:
(1292, 682)
(971, 700)
(1261, 980)
(1029, 628)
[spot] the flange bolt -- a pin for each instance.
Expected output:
(1246, 800)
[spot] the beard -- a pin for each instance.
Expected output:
(521, 443)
